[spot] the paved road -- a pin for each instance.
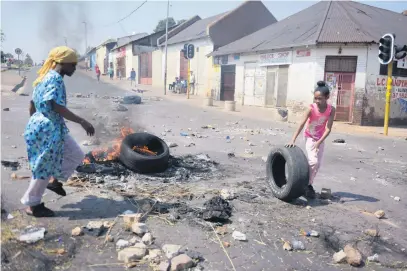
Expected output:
(364, 173)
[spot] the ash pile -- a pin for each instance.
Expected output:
(187, 168)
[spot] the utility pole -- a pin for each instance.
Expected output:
(166, 48)
(86, 37)
(66, 41)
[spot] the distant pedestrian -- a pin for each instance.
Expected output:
(53, 154)
(192, 83)
(119, 74)
(319, 119)
(97, 73)
(110, 72)
(132, 77)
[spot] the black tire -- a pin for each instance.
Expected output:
(143, 163)
(292, 185)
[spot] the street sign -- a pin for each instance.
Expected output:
(402, 63)
(18, 51)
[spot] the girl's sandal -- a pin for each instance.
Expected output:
(40, 211)
(56, 187)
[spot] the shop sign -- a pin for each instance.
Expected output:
(278, 58)
(399, 89)
(303, 53)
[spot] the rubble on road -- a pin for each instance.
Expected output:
(78, 231)
(216, 210)
(353, 256)
(139, 228)
(374, 258)
(131, 254)
(32, 234)
(92, 142)
(181, 262)
(147, 239)
(171, 250)
(339, 140)
(6, 109)
(237, 235)
(227, 194)
(121, 244)
(12, 164)
(372, 232)
(325, 193)
(339, 257)
(287, 246)
(379, 214)
(120, 108)
(94, 228)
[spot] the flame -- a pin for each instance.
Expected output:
(108, 153)
(144, 150)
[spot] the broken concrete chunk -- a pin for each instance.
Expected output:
(6, 109)
(132, 218)
(339, 140)
(379, 214)
(287, 246)
(353, 256)
(120, 108)
(134, 240)
(121, 244)
(32, 235)
(227, 194)
(397, 198)
(372, 232)
(171, 250)
(139, 228)
(164, 266)
(339, 257)
(147, 239)
(326, 193)
(95, 228)
(181, 262)
(374, 258)
(78, 231)
(131, 254)
(237, 235)
(154, 254)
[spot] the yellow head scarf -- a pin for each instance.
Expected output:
(60, 54)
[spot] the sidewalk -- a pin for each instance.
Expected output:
(250, 111)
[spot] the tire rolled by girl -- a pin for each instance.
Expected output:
(287, 173)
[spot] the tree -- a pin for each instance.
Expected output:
(161, 24)
(181, 21)
(28, 60)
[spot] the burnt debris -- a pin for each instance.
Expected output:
(216, 210)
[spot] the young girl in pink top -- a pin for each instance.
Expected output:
(319, 119)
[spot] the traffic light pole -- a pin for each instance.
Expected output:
(189, 76)
(388, 97)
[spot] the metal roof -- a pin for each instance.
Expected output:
(324, 22)
(128, 39)
(196, 31)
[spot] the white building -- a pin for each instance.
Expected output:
(206, 35)
(337, 41)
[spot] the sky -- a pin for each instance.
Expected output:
(37, 26)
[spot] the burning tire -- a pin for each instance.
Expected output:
(287, 173)
(144, 153)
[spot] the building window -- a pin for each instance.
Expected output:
(341, 64)
(397, 72)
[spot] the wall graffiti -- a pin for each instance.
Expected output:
(376, 96)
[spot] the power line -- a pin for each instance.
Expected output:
(127, 16)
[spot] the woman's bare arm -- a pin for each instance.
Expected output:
(32, 108)
(66, 113)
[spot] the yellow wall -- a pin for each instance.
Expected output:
(100, 57)
(158, 76)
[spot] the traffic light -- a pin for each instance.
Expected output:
(190, 51)
(386, 49)
(400, 52)
(184, 51)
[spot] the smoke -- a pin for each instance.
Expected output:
(63, 22)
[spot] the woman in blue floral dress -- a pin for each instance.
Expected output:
(52, 153)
